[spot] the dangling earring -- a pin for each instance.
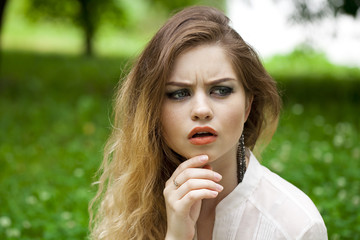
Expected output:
(240, 159)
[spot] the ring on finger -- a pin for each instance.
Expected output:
(175, 183)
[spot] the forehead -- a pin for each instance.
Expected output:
(202, 62)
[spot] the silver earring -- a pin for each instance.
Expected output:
(240, 159)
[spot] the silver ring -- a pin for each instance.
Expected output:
(175, 183)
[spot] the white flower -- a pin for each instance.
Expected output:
(12, 233)
(79, 172)
(5, 221)
(44, 195)
(66, 215)
(341, 182)
(31, 200)
(297, 109)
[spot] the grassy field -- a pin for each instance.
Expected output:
(56, 114)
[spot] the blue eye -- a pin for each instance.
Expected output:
(178, 94)
(221, 91)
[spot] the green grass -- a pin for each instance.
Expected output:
(56, 114)
(62, 36)
(317, 143)
(54, 122)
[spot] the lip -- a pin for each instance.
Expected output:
(202, 140)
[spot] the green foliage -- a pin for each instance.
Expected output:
(70, 10)
(55, 120)
(90, 14)
(178, 4)
(316, 146)
(304, 68)
(56, 116)
(307, 11)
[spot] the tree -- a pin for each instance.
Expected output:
(87, 14)
(2, 11)
(307, 11)
(90, 14)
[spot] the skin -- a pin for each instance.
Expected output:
(203, 90)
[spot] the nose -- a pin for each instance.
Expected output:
(201, 109)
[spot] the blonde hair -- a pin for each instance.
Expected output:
(137, 162)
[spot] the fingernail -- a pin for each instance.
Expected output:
(215, 193)
(203, 158)
(217, 176)
(219, 187)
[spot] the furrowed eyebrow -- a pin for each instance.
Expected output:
(178, 84)
(214, 82)
(221, 80)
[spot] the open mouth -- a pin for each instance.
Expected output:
(202, 135)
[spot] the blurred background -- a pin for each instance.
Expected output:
(61, 60)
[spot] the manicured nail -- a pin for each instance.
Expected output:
(217, 176)
(214, 193)
(219, 187)
(203, 158)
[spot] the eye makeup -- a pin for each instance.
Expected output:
(221, 91)
(179, 94)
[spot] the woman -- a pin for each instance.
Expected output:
(178, 164)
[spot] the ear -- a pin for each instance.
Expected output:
(248, 104)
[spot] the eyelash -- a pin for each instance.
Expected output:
(175, 95)
(218, 91)
(225, 91)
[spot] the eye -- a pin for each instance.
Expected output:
(178, 94)
(221, 91)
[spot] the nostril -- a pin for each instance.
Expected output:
(202, 117)
(201, 113)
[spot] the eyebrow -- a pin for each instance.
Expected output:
(214, 82)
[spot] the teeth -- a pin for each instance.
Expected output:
(201, 132)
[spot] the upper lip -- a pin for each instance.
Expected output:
(202, 129)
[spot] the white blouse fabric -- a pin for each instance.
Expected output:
(265, 206)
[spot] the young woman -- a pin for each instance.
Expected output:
(178, 164)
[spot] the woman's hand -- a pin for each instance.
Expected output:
(191, 182)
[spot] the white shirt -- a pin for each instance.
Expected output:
(265, 206)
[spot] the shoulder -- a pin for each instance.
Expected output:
(288, 208)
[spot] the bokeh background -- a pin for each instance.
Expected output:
(60, 62)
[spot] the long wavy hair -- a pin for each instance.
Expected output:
(137, 162)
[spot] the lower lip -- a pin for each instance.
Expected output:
(202, 140)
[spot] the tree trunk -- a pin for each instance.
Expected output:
(87, 25)
(2, 11)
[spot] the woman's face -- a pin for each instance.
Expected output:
(205, 106)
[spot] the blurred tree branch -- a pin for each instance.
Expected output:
(309, 11)
(87, 14)
(90, 14)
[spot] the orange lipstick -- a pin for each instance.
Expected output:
(202, 135)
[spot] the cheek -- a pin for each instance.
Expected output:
(169, 121)
(234, 118)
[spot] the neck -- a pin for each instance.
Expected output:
(227, 167)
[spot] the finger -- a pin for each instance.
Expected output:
(191, 197)
(195, 162)
(196, 184)
(197, 173)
